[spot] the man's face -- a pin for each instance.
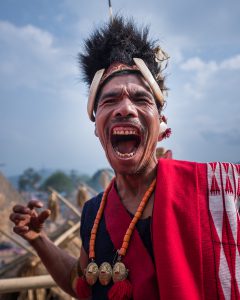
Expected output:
(127, 123)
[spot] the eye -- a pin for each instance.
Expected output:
(107, 101)
(143, 100)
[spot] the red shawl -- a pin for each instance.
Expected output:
(196, 234)
(141, 268)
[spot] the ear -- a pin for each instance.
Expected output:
(160, 137)
(95, 131)
(159, 134)
(163, 128)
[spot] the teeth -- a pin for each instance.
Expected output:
(125, 155)
(124, 132)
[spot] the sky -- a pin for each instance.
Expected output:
(43, 119)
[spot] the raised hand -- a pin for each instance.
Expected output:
(28, 222)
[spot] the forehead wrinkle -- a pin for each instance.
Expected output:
(129, 89)
(114, 92)
(140, 93)
(132, 89)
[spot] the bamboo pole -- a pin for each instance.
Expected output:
(33, 282)
(29, 250)
(67, 202)
(65, 235)
(60, 240)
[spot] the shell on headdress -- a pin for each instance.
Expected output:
(161, 57)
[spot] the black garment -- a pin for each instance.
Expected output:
(104, 248)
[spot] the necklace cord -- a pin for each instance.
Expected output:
(128, 234)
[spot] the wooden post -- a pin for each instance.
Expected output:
(63, 236)
(33, 282)
(67, 202)
(29, 250)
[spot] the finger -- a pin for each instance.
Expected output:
(21, 230)
(44, 215)
(20, 220)
(15, 217)
(21, 209)
(35, 203)
(25, 221)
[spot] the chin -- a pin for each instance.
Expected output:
(128, 167)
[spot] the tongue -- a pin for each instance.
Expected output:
(126, 146)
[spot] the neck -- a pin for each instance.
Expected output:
(131, 187)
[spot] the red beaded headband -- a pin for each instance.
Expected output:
(101, 76)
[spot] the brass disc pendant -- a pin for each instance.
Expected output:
(119, 272)
(105, 273)
(92, 273)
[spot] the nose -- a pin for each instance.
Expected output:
(125, 108)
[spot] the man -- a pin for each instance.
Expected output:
(162, 230)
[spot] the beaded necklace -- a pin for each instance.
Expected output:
(119, 271)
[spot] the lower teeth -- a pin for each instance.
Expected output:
(125, 155)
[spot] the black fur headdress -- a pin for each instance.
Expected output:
(119, 41)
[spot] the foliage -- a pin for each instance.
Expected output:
(29, 180)
(60, 182)
(78, 179)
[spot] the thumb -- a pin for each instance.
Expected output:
(43, 216)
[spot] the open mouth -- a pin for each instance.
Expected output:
(125, 141)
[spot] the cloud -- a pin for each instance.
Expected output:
(198, 65)
(29, 57)
(205, 73)
(232, 63)
(29, 32)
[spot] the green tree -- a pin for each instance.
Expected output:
(29, 180)
(59, 181)
(78, 179)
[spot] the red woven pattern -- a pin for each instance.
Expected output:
(225, 226)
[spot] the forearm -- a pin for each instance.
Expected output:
(58, 263)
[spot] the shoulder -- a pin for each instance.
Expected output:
(179, 163)
(176, 162)
(179, 166)
(183, 164)
(89, 212)
(93, 203)
(207, 174)
(90, 207)
(196, 169)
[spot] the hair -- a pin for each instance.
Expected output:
(120, 40)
